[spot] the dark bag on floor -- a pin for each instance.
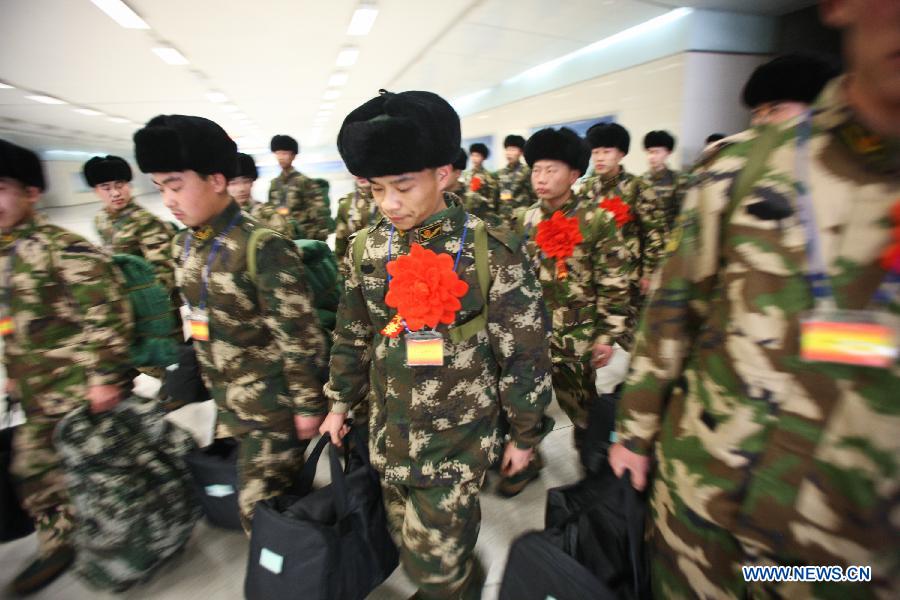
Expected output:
(15, 523)
(538, 569)
(329, 544)
(599, 522)
(183, 384)
(214, 469)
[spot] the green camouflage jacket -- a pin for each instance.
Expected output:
(489, 187)
(800, 460)
(669, 187)
(355, 211)
(438, 425)
(265, 356)
(269, 217)
(134, 230)
(72, 324)
(515, 190)
(305, 204)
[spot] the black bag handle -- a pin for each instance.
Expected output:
(634, 525)
(308, 473)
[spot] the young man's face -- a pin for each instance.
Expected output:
(606, 160)
(194, 199)
(477, 159)
(774, 113)
(552, 180)
(657, 157)
(239, 189)
(410, 198)
(115, 195)
(513, 154)
(16, 202)
(285, 158)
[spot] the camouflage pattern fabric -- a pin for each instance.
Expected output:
(303, 201)
(669, 187)
(435, 529)
(134, 230)
(356, 211)
(489, 188)
(515, 192)
(437, 426)
(127, 526)
(764, 458)
(484, 207)
(268, 217)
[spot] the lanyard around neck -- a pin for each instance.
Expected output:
(204, 276)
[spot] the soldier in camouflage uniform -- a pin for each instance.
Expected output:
(668, 185)
(586, 293)
(514, 180)
(240, 187)
(66, 331)
(296, 196)
(433, 429)
(646, 232)
(763, 456)
(258, 341)
(475, 203)
(356, 210)
(478, 179)
(783, 88)
(125, 227)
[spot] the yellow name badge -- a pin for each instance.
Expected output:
(424, 349)
(283, 211)
(7, 327)
(506, 195)
(862, 338)
(200, 326)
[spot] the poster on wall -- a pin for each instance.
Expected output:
(580, 127)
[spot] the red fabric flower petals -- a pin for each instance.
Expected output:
(618, 208)
(475, 184)
(558, 236)
(424, 288)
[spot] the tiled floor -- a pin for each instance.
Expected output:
(213, 564)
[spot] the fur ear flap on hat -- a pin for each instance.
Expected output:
(480, 149)
(284, 142)
(105, 169)
(561, 144)
(609, 135)
(399, 133)
(246, 167)
(182, 143)
(21, 164)
(517, 141)
(659, 139)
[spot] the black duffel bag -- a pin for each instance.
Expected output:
(214, 470)
(329, 544)
(183, 384)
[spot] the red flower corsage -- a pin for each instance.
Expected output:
(475, 184)
(557, 238)
(424, 289)
(890, 258)
(620, 210)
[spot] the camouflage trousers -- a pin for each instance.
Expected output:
(576, 392)
(436, 529)
(269, 462)
(40, 482)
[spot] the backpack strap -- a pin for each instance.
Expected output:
(359, 249)
(258, 234)
(482, 270)
(519, 216)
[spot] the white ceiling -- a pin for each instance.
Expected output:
(273, 58)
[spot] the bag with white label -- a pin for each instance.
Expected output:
(326, 544)
(214, 469)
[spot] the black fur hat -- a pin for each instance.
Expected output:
(480, 149)
(399, 133)
(284, 142)
(461, 160)
(514, 140)
(102, 169)
(246, 167)
(609, 135)
(659, 139)
(714, 137)
(183, 143)
(21, 164)
(792, 77)
(561, 144)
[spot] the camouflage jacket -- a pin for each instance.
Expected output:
(801, 459)
(438, 425)
(515, 191)
(489, 188)
(305, 204)
(134, 230)
(475, 203)
(646, 233)
(669, 187)
(355, 211)
(269, 217)
(72, 325)
(592, 304)
(266, 351)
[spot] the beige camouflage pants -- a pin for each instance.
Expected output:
(40, 482)
(436, 529)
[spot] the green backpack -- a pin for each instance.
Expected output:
(320, 270)
(155, 341)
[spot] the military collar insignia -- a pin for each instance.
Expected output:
(7, 238)
(876, 152)
(429, 232)
(204, 233)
